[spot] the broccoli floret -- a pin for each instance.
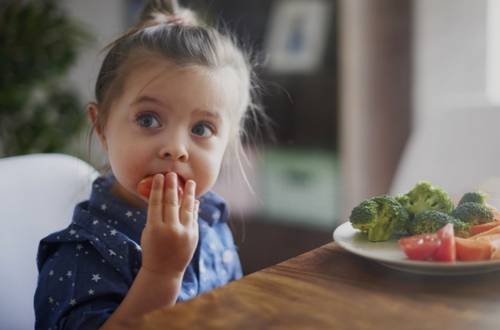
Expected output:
(379, 217)
(472, 213)
(431, 221)
(479, 197)
(424, 196)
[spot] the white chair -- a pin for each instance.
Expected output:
(37, 195)
(456, 150)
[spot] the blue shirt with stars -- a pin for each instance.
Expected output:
(86, 270)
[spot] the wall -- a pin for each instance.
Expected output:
(105, 20)
(444, 59)
(374, 94)
(449, 55)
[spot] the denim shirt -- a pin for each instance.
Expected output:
(86, 270)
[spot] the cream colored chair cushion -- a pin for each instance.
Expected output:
(37, 195)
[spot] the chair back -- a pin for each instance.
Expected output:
(454, 150)
(38, 193)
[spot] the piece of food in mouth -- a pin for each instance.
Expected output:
(144, 187)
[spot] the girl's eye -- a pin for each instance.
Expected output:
(148, 120)
(203, 130)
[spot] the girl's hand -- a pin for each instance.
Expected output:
(171, 234)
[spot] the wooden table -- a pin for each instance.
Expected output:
(330, 288)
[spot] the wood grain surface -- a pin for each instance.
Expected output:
(329, 288)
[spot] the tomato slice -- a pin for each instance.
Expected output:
(144, 187)
(446, 252)
(420, 247)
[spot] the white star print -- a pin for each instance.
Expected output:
(129, 214)
(72, 302)
(202, 266)
(72, 232)
(95, 222)
(95, 277)
(51, 300)
(112, 253)
(69, 273)
(51, 273)
(103, 207)
(79, 247)
(113, 232)
(91, 292)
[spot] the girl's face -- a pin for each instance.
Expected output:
(168, 119)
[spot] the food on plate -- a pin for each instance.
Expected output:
(472, 250)
(430, 227)
(446, 251)
(438, 246)
(492, 231)
(144, 187)
(491, 237)
(420, 247)
(478, 229)
(444, 246)
(479, 197)
(424, 196)
(472, 213)
(379, 217)
(431, 221)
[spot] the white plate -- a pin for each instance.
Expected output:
(390, 254)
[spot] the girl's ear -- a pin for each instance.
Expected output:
(93, 110)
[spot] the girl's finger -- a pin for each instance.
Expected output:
(196, 210)
(155, 208)
(188, 202)
(170, 199)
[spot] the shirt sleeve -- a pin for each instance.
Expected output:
(77, 288)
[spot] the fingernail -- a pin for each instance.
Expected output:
(158, 178)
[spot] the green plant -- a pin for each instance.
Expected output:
(38, 44)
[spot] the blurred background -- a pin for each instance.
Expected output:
(345, 82)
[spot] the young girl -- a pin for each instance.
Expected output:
(171, 99)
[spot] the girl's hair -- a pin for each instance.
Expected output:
(165, 30)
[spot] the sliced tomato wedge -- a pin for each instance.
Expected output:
(420, 247)
(144, 187)
(446, 252)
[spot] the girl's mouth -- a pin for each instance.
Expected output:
(144, 187)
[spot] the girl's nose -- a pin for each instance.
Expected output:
(174, 150)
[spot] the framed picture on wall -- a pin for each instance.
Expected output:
(297, 35)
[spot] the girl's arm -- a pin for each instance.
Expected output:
(168, 244)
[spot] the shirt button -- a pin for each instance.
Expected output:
(227, 256)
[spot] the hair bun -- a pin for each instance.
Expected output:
(157, 12)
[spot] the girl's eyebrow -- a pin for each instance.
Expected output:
(213, 115)
(145, 98)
